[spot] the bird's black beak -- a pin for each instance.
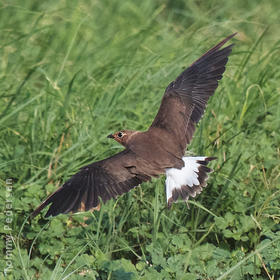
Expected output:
(110, 136)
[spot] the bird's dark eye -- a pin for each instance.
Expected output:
(120, 134)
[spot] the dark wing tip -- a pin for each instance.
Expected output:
(45, 203)
(200, 80)
(58, 199)
(217, 47)
(67, 199)
(39, 209)
(75, 195)
(203, 75)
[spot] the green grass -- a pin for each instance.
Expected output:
(72, 72)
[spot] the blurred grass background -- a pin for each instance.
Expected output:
(71, 72)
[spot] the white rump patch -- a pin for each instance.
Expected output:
(187, 175)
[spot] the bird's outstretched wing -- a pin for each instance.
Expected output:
(105, 179)
(185, 99)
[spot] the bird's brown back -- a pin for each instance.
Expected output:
(158, 147)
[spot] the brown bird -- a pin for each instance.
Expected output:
(156, 151)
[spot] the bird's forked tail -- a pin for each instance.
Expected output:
(187, 181)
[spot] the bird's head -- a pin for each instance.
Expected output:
(122, 136)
